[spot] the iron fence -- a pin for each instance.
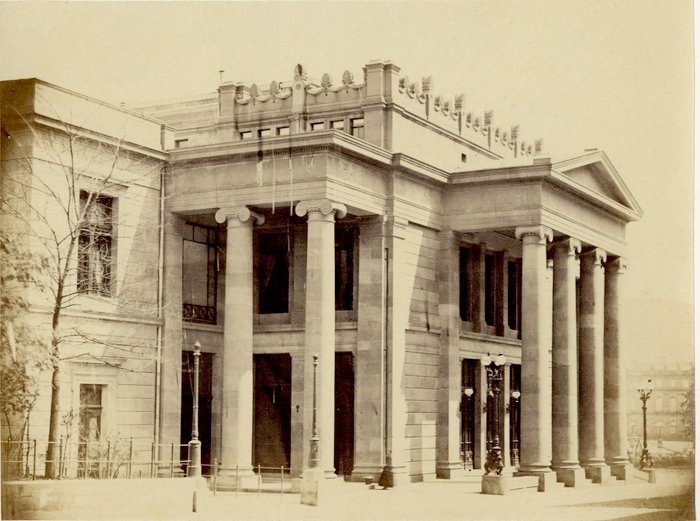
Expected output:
(124, 458)
(266, 479)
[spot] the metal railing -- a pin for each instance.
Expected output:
(267, 479)
(123, 458)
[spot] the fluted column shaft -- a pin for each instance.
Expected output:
(536, 418)
(320, 323)
(615, 385)
(591, 327)
(237, 403)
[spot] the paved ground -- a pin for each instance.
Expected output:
(670, 499)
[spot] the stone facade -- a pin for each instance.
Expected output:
(398, 238)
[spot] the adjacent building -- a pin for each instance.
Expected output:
(359, 245)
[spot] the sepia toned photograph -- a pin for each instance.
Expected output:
(350, 260)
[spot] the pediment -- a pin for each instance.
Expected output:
(595, 173)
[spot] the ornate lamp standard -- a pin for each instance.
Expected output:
(194, 468)
(644, 394)
(514, 409)
(313, 454)
(467, 429)
(494, 374)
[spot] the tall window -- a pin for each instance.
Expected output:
(90, 430)
(273, 273)
(95, 245)
(514, 277)
(466, 310)
(344, 267)
(490, 290)
(357, 127)
(199, 273)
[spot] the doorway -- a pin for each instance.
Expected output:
(344, 453)
(468, 410)
(272, 411)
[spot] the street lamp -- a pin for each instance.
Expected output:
(494, 374)
(645, 391)
(313, 455)
(195, 446)
(467, 428)
(514, 409)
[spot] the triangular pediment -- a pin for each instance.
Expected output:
(595, 173)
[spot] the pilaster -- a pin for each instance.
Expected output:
(449, 376)
(370, 381)
(171, 361)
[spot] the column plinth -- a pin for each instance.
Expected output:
(536, 415)
(591, 381)
(237, 403)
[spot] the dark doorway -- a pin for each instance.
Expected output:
(344, 458)
(273, 408)
(468, 412)
(205, 397)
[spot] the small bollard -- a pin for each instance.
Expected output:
(194, 501)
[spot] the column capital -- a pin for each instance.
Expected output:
(617, 265)
(324, 206)
(543, 234)
(568, 246)
(241, 212)
(596, 256)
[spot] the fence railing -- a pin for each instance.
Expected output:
(267, 479)
(122, 458)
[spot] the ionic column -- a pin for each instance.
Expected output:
(565, 365)
(320, 323)
(591, 381)
(615, 386)
(536, 417)
(237, 402)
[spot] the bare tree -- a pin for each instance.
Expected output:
(56, 197)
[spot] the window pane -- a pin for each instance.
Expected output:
(273, 273)
(199, 274)
(490, 291)
(194, 273)
(344, 267)
(464, 285)
(95, 245)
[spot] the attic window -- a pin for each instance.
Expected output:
(179, 143)
(316, 126)
(464, 158)
(246, 134)
(282, 131)
(264, 132)
(338, 125)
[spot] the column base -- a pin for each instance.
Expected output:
(237, 479)
(547, 478)
(622, 470)
(360, 473)
(444, 470)
(571, 476)
(599, 474)
(393, 476)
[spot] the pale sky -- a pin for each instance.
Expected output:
(615, 75)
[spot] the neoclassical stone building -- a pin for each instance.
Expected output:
(398, 238)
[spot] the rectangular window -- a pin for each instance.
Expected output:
(264, 132)
(247, 134)
(514, 289)
(282, 131)
(179, 143)
(338, 124)
(95, 244)
(344, 267)
(199, 273)
(357, 127)
(317, 125)
(489, 290)
(89, 449)
(273, 273)
(465, 286)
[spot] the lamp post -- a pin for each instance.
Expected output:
(644, 394)
(194, 468)
(514, 409)
(467, 432)
(313, 455)
(494, 374)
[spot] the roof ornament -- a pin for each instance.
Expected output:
(514, 132)
(538, 146)
(326, 83)
(488, 118)
(459, 102)
(299, 72)
(347, 79)
(427, 84)
(254, 92)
